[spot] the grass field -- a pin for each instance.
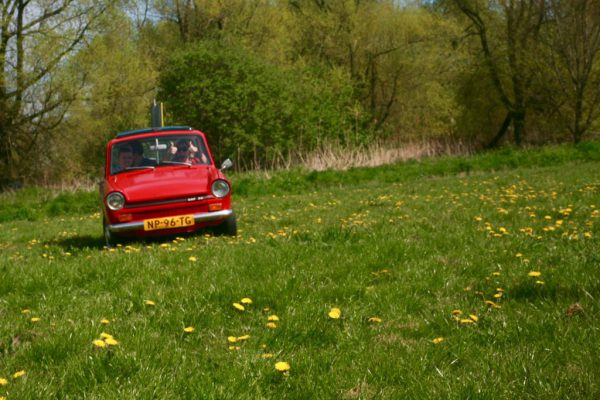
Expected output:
(463, 282)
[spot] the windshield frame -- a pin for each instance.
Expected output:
(160, 150)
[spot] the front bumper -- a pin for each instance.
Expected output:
(198, 218)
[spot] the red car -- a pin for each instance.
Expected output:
(163, 181)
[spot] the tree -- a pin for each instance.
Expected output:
(572, 36)
(36, 37)
(508, 32)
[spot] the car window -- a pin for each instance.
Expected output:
(158, 151)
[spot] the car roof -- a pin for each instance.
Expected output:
(149, 130)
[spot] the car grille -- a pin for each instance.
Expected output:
(183, 200)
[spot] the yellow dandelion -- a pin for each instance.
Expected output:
(539, 282)
(105, 335)
(232, 339)
(99, 343)
(238, 306)
(3, 382)
(376, 320)
(492, 304)
(111, 341)
(457, 312)
(26, 311)
(19, 374)
(498, 295)
(149, 303)
(234, 347)
(243, 337)
(438, 340)
(267, 355)
(246, 300)
(189, 329)
(271, 325)
(534, 273)
(474, 317)
(35, 319)
(496, 273)
(193, 259)
(466, 321)
(273, 318)
(105, 321)
(335, 313)
(282, 366)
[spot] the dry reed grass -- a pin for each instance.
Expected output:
(340, 158)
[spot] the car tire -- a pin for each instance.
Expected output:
(110, 238)
(228, 228)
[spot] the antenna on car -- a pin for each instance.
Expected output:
(156, 112)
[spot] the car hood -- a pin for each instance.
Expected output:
(164, 183)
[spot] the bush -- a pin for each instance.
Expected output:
(257, 113)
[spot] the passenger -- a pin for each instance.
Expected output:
(184, 151)
(124, 159)
(138, 156)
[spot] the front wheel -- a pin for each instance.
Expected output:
(110, 238)
(228, 227)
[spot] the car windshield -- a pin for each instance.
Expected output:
(158, 151)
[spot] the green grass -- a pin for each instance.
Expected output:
(408, 248)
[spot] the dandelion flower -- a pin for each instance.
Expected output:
(491, 303)
(19, 374)
(466, 321)
(539, 282)
(238, 306)
(232, 339)
(189, 329)
(438, 340)
(474, 317)
(498, 295)
(99, 343)
(273, 318)
(267, 355)
(457, 312)
(111, 341)
(246, 300)
(335, 313)
(282, 366)
(234, 347)
(105, 321)
(376, 320)
(534, 273)
(149, 303)
(3, 382)
(105, 335)
(35, 319)
(496, 273)
(271, 325)
(192, 259)
(25, 311)
(243, 337)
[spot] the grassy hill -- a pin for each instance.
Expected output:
(454, 278)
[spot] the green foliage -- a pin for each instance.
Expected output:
(252, 111)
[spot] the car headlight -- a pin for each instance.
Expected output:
(220, 188)
(115, 201)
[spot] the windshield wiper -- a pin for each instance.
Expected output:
(174, 163)
(133, 169)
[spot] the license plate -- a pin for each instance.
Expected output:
(168, 222)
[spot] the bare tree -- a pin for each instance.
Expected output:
(36, 37)
(508, 31)
(573, 39)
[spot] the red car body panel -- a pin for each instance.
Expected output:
(162, 191)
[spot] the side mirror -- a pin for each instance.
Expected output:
(226, 164)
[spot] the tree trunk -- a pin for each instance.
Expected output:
(501, 132)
